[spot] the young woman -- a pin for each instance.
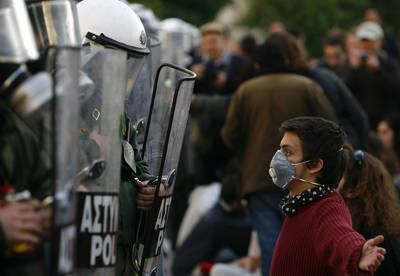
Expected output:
(373, 203)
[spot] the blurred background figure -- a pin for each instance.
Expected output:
(349, 113)
(388, 131)
(276, 27)
(335, 54)
(218, 75)
(247, 46)
(249, 265)
(387, 156)
(373, 203)
(389, 42)
(226, 228)
(374, 77)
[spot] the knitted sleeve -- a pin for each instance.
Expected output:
(335, 242)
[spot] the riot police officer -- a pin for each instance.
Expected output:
(112, 30)
(24, 167)
(56, 29)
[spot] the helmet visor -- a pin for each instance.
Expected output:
(17, 43)
(55, 23)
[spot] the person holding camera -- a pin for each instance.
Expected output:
(374, 75)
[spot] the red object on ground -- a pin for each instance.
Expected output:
(206, 267)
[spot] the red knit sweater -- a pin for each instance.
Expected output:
(318, 240)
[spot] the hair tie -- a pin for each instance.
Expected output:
(358, 156)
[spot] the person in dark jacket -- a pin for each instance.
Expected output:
(389, 42)
(374, 204)
(218, 76)
(351, 116)
(374, 77)
(334, 53)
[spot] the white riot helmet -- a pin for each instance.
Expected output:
(112, 24)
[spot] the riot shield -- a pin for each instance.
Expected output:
(56, 31)
(65, 140)
(17, 43)
(54, 23)
(101, 119)
(176, 41)
(155, 56)
(171, 49)
(138, 100)
(49, 97)
(163, 140)
(52, 114)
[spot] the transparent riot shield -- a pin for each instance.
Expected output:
(52, 113)
(101, 118)
(54, 23)
(176, 41)
(163, 141)
(17, 43)
(138, 99)
(155, 56)
(65, 141)
(171, 48)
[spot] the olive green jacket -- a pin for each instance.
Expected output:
(127, 223)
(23, 163)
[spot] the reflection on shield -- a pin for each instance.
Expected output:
(103, 79)
(155, 44)
(17, 43)
(171, 48)
(55, 23)
(139, 98)
(162, 145)
(64, 64)
(65, 125)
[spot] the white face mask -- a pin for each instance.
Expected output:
(282, 171)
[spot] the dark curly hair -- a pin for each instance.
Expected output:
(320, 139)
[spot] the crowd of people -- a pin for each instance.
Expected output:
(243, 93)
(288, 164)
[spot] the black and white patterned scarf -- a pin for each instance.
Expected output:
(290, 204)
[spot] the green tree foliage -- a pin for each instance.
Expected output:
(389, 11)
(195, 12)
(313, 17)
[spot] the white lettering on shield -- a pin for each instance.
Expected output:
(104, 249)
(66, 251)
(100, 217)
(161, 220)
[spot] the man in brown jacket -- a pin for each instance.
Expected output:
(256, 111)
